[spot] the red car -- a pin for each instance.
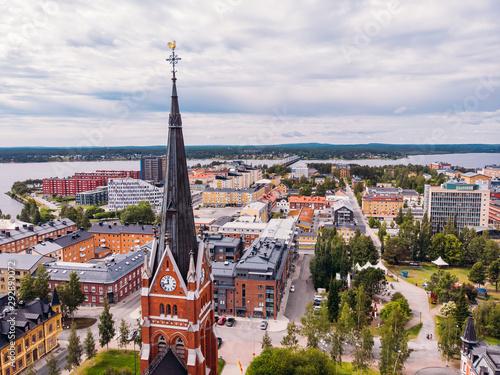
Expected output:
(221, 320)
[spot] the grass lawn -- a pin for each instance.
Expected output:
(419, 274)
(492, 340)
(80, 322)
(108, 358)
(346, 369)
(222, 363)
(414, 331)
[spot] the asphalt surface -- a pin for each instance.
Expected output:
(304, 289)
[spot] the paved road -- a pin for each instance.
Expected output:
(304, 289)
(360, 218)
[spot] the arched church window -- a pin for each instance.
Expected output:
(169, 310)
(162, 309)
(175, 310)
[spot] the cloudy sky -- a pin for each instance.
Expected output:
(93, 72)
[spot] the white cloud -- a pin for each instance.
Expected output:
(70, 66)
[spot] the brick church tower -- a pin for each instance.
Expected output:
(177, 284)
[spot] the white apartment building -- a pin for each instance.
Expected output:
(123, 192)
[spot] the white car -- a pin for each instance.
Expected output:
(292, 288)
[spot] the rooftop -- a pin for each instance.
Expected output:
(23, 262)
(117, 228)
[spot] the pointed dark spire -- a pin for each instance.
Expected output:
(55, 298)
(177, 217)
(470, 332)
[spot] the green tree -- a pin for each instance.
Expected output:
(123, 330)
(442, 284)
(71, 294)
(397, 249)
(372, 279)
(371, 222)
(400, 217)
(266, 341)
(448, 247)
(461, 311)
(89, 344)
(27, 291)
(394, 343)
(362, 249)
(75, 350)
(138, 334)
(363, 351)
(315, 325)
(401, 303)
(494, 273)
(52, 367)
(333, 300)
(449, 339)
(31, 370)
(290, 340)
(361, 308)
(477, 274)
(41, 283)
(106, 325)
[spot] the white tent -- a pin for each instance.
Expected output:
(381, 266)
(440, 262)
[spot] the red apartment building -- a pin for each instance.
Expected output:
(70, 186)
(317, 203)
(113, 277)
(108, 174)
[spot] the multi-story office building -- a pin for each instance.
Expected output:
(124, 192)
(15, 266)
(238, 197)
(92, 197)
(114, 277)
(153, 168)
(23, 237)
(456, 200)
(34, 334)
(121, 238)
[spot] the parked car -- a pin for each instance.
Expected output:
(219, 342)
(221, 320)
(263, 325)
(292, 288)
(230, 322)
(131, 335)
(317, 302)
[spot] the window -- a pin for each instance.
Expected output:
(19, 349)
(175, 310)
(261, 287)
(40, 333)
(169, 310)
(93, 299)
(86, 288)
(33, 339)
(28, 358)
(50, 327)
(27, 342)
(93, 289)
(58, 323)
(162, 309)
(101, 290)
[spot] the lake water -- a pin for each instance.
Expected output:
(9, 173)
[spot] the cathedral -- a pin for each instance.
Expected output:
(178, 335)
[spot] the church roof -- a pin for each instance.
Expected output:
(169, 365)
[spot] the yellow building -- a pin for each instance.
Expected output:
(476, 178)
(238, 197)
(257, 210)
(382, 205)
(34, 333)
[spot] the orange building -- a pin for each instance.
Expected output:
(317, 203)
(121, 238)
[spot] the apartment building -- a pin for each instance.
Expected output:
(254, 286)
(456, 199)
(225, 196)
(258, 210)
(225, 248)
(121, 238)
(476, 178)
(13, 267)
(316, 203)
(34, 334)
(123, 192)
(106, 175)
(382, 205)
(491, 170)
(114, 277)
(440, 165)
(23, 237)
(70, 186)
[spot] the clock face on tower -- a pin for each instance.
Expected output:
(202, 278)
(168, 283)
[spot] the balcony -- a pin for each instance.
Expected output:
(270, 300)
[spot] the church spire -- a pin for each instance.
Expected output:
(177, 219)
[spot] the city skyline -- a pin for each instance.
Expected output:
(83, 74)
